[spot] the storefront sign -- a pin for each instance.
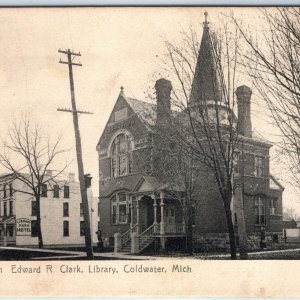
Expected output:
(23, 226)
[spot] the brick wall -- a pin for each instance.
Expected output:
(209, 210)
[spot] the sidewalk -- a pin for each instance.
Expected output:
(250, 254)
(66, 254)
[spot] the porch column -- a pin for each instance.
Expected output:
(183, 226)
(131, 212)
(138, 213)
(7, 208)
(162, 222)
(155, 213)
(5, 235)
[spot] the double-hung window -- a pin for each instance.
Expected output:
(55, 191)
(260, 211)
(66, 191)
(259, 166)
(65, 209)
(273, 208)
(119, 209)
(44, 190)
(65, 228)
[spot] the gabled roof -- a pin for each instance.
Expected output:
(144, 110)
(151, 184)
(146, 184)
(207, 80)
(275, 184)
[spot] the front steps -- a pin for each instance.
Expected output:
(144, 242)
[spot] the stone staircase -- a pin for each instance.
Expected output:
(126, 248)
(145, 240)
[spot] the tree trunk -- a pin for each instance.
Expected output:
(38, 220)
(189, 231)
(230, 230)
(241, 224)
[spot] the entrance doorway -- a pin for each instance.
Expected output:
(170, 214)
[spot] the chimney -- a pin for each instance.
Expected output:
(244, 125)
(163, 89)
(71, 177)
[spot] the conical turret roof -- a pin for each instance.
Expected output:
(206, 83)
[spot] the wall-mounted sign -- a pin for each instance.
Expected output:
(23, 226)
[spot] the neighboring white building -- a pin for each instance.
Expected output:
(61, 213)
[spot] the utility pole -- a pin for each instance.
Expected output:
(83, 188)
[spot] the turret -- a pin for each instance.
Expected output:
(206, 84)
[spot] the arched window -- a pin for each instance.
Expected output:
(121, 155)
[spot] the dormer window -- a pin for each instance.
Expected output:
(121, 155)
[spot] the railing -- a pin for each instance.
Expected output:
(149, 231)
(8, 239)
(175, 228)
(11, 239)
(126, 236)
(156, 228)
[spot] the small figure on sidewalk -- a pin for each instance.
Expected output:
(262, 237)
(100, 242)
(284, 235)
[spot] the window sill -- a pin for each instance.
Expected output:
(110, 178)
(260, 225)
(253, 176)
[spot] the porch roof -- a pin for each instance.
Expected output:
(7, 219)
(147, 184)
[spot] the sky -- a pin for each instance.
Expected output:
(119, 47)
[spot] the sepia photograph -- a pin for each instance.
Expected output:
(152, 140)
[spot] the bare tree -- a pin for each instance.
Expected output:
(205, 124)
(29, 155)
(174, 168)
(272, 60)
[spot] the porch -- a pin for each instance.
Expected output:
(157, 214)
(153, 216)
(7, 231)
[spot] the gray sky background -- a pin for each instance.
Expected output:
(119, 47)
